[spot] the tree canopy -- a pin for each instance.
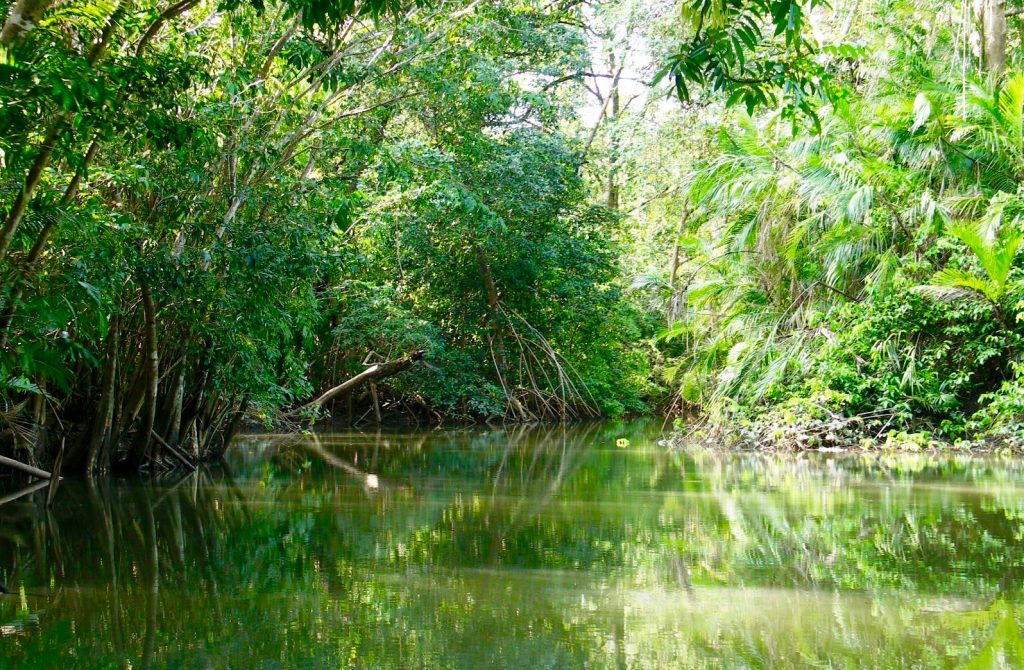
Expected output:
(218, 212)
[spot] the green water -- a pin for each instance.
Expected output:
(527, 548)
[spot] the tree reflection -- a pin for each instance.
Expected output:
(545, 547)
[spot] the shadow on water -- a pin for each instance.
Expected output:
(543, 547)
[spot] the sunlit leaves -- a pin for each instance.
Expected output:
(756, 53)
(995, 244)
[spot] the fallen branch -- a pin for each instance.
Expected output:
(24, 467)
(372, 373)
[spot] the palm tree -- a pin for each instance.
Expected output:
(995, 244)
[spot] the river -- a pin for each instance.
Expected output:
(588, 546)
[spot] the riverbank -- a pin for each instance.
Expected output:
(799, 429)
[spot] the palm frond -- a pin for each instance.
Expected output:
(954, 284)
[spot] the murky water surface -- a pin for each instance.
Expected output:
(526, 548)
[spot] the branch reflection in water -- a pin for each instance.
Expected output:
(528, 547)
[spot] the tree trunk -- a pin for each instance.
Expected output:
(376, 402)
(372, 373)
(613, 113)
(104, 417)
(493, 312)
(39, 420)
(130, 403)
(191, 410)
(172, 426)
(39, 245)
(673, 273)
(35, 173)
(17, 212)
(152, 362)
(24, 17)
(175, 10)
(237, 414)
(992, 16)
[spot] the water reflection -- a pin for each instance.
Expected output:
(529, 547)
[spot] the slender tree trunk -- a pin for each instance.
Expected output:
(16, 213)
(34, 254)
(104, 417)
(229, 432)
(497, 335)
(493, 312)
(152, 362)
(25, 196)
(24, 467)
(268, 62)
(376, 402)
(190, 411)
(601, 117)
(673, 273)
(613, 113)
(175, 10)
(172, 427)
(848, 23)
(130, 403)
(39, 419)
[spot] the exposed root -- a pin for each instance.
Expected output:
(548, 387)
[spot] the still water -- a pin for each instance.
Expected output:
(521, 548)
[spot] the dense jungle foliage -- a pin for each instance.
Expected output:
(799, 220)
(213, 211)
(843, 264)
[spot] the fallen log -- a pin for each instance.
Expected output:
(372, 373)
(24, 467)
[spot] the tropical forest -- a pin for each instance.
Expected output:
(511, 334)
